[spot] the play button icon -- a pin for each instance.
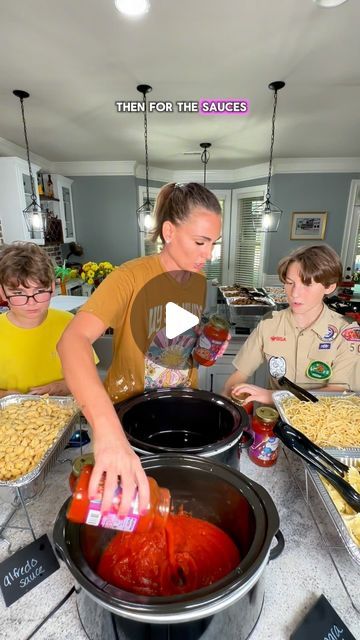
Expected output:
(178, 320)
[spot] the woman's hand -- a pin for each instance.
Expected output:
(57, 388)
(257, 394)
(114, 455)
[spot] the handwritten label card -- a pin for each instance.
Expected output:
(26, 569)
(322, 623)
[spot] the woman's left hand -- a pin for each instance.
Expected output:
(57, 388)
(257, 394)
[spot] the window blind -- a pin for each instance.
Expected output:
(249, 244)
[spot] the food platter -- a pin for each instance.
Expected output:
(280, 398)
(350, 457)
(36, 475)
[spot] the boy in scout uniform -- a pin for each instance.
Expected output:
(308, 343)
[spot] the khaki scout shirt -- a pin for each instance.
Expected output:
(332, 340)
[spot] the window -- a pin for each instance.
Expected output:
(350, 251)
(247, 245)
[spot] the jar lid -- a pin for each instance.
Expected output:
(81, 461)
(239, 398)
(267, 414)
(219, 322)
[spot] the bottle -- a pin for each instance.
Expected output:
(40, 184)
(265, 448)
(239, 400)
(78, 464)
(214, 333)
(82, 510)
(49, 187)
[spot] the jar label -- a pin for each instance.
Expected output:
(110, 519)
(208, 349)
(264, 447)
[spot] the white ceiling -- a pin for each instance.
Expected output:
(77, 57)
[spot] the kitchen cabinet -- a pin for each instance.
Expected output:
(62, 190)
(61, 204)
(15, 196)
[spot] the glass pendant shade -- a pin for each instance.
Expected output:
(146, 210)
(35, 217)
(266, 217)
(145, 217)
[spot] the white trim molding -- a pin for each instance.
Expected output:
(89, 168)
(230, 176)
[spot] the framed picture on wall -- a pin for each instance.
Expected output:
(308, 225)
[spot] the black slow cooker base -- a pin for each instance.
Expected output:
(237, 622)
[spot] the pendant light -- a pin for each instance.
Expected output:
(266, 216)
(146, 210)
(205, 157)
(35, 218)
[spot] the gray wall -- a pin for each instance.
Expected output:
(106, 224)
(308, 192)
(105, 218)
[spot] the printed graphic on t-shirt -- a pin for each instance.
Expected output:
(168, 362)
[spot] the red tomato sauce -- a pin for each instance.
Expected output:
(184, 555)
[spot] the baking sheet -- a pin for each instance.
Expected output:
(351, 457)
(39, 472)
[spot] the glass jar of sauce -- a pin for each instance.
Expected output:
(265, 448)
(239, 400)
(78, 464)
(82, 510)
(214, 333)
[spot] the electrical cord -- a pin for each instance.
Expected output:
(54, 610)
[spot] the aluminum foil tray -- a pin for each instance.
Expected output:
(350, 457)
(280, 396)
(38, 474)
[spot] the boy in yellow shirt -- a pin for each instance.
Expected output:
(29, 331)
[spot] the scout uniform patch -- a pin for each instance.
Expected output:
(318, 370)
(331, 333)
(351, 334)
(277, 367)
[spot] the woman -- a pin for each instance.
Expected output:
(132, 301)
(309, 343)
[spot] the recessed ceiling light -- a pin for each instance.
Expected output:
(326, 4)
(132, 8)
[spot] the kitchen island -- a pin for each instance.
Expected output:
(294, 580)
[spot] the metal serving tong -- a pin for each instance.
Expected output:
(299, 392)
(277, 370)
(331, 468)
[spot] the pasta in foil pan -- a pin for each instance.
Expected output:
(33, 429)
(345, 519)
(334, 421)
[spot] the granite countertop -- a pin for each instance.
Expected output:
(294, 580)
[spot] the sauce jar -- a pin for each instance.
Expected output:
(214, 333)
(265, 448)
(78, 464)
(239, 400)
(82, 510)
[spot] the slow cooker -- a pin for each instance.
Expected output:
(186, 421)
(207, 490)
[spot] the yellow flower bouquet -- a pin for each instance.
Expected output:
(93, 273)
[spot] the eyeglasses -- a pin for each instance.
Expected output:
(18, 300)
